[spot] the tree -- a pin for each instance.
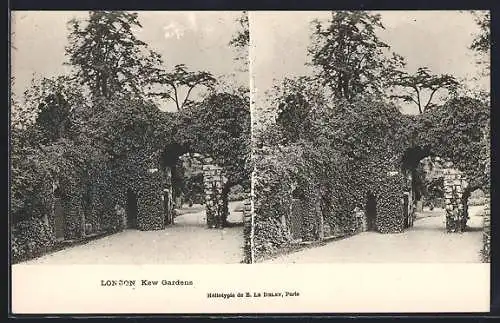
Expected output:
(178, 78)
(49, 104)
(295, 98)
(420, 82)
(482, 41)
(109, 59)
(15, 113)
(350, 56)
(241, 40)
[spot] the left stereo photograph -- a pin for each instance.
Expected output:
(130, 138)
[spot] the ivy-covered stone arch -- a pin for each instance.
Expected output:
(218, 129)
(457, 133)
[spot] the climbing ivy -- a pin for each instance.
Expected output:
(455, 132)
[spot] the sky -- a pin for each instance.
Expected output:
(437, 39)
(279, 40)
(197, 39)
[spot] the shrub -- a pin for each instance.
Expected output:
(31, 238)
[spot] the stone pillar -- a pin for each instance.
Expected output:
(454, 184)
(213, 182)
(487, 230)
(247, 230)
(247, 213)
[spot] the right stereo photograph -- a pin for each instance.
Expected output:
(370, 136)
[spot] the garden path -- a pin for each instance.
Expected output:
(186, 242)
(425, 242)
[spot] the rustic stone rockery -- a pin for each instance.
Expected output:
(487, 208)
(487, 230)
(454, 185)
(247, 213)
(247, 228)
(213, 181)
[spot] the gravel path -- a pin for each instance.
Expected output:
(186, 242)
(426, 242)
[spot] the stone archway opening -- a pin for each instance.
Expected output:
(131, 210)
(193, 180)
(200, 180)
(371, 211)
(435, 187)
(476, 203)
(59, 217)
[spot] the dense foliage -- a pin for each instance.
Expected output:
(455, 132)
(366, 138)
